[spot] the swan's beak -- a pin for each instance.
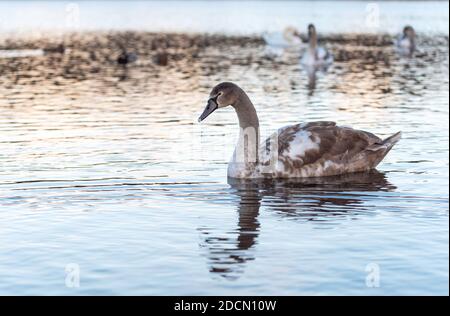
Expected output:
(210, 107)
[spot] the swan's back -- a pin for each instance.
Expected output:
(319, 149)
(321, 57)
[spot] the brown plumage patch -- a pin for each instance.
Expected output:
(340, 150)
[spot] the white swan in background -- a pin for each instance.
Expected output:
(315, 56)
(277, 42)
(314, 149)
(406, 42)
(20, 53)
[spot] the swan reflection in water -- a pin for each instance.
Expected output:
(313, 73)
(312, 199)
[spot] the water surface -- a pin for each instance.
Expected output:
(105, 167)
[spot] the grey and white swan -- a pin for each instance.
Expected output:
(406, 42)
(314, 149)
(315, 55)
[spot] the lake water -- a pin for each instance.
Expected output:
(105, 170)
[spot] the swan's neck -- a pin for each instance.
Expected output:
(245, 157)
(412, 42)
(246, 112)
(313, 42)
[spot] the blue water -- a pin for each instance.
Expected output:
(106, 170)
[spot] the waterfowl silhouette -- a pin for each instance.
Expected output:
(126, 58)
(59, 49)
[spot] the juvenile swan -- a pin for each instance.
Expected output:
(314, 149)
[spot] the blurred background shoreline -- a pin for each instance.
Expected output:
(41, 18)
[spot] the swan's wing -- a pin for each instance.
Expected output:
(322, 53)
(319, 149)
(403, 42)
(275, 39)
(304, 38)
(321, 58)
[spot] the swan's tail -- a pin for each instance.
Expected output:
(392, 140)
(380, 150)
(388, 143)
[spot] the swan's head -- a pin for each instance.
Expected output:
(311, 30)
(222, 95)
(409, 32)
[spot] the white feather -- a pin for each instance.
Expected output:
(301, 144)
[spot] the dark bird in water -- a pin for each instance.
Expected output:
(161, 59)
(60, 49)
(126, 58)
